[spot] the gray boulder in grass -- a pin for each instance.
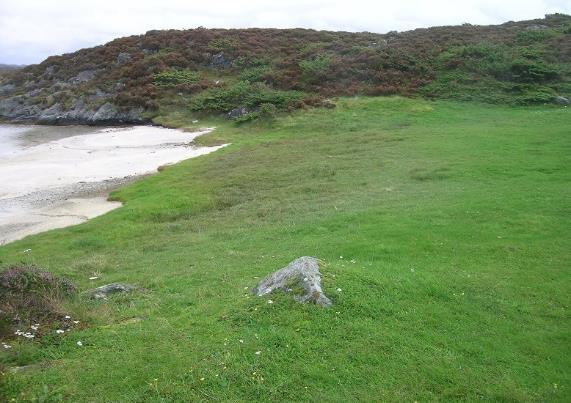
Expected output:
(109, 289)
(301, 277)
(559, 100)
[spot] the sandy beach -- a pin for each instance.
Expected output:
(53, 177)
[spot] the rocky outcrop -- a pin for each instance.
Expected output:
(108, 112)
(20, 108)
(237, 112)
(219, 61)
(7, 89)
(301, 278)
(123, 58)
(559, 100)
(49, 98)
(109, 289)
(17, 108)
(83, 77)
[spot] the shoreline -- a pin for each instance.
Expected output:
(67, 206)
(64, 182)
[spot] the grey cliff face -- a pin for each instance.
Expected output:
(92, 109)
(47, 98)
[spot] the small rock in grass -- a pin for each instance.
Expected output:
(106, 290)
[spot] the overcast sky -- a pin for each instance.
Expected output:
(31, 30)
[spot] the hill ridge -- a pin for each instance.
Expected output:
(247, 73)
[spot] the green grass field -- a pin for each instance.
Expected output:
(445, 225)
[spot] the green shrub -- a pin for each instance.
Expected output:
(243, 93)
(172, 78)
(221, 44)
(315, 69)
(495, 73)
(245, 62)
(220, 99)
(481, 58)
(254, 74)
(535, 96)
(534, 36)
(262, 94)
(532, 53)
(530, 71)
(268, 111)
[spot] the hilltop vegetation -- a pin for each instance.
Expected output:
(254, 70)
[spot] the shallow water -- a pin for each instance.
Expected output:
(17, 137)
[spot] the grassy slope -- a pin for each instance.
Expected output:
(456, 217)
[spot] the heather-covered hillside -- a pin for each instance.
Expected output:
(252, 72)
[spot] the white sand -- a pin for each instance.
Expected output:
(64, 181)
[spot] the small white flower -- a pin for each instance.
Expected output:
(59, 331)
(353, 261)
(339, 290)
(67, 317)
(270, 301)
(340, 257)
(6, 346)
(241, 341)
(79, 343)
(27, 250)
(93, 278)
(76, 322)
(258, 352)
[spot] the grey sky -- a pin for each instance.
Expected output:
(31, 30)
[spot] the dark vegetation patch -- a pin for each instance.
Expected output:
(423, 174)
(28, 296)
